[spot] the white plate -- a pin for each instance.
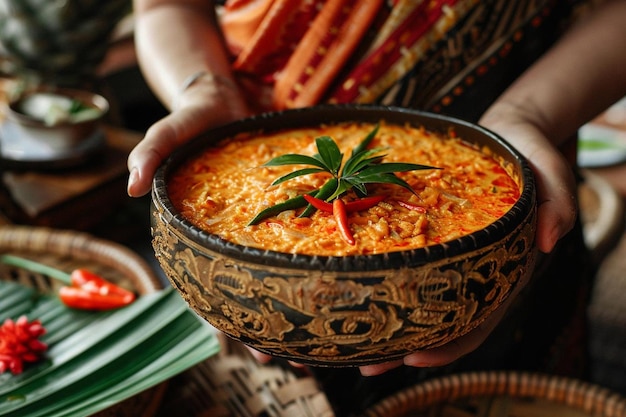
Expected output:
(600, 145)
(22, 151)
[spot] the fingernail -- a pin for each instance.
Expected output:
(133, 177)
(416, 363)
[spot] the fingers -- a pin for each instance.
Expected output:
(555, 182)
(160, 140)
(557, 208)
(439, 356)
(265, 358)
(163, 138)
(380, 368)
(556, 194)
(208, 104)
(259, 356)
(453, 350)
(457, 348)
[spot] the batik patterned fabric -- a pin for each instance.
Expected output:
(450, 56)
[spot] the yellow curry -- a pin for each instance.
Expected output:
(224, 187)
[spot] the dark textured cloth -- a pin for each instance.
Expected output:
(481, 56)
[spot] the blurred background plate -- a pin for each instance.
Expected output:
(602, 142)
(22, 152)
(601, 145)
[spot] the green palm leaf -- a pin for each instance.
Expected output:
(102, 358)
(167, 364)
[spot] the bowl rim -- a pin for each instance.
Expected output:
(335, 113)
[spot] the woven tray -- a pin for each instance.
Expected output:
(64, 248)
(234, 384)
(501, 394)
(68, 250)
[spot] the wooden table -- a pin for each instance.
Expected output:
(77, 197)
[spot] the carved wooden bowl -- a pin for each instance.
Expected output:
(349, 310)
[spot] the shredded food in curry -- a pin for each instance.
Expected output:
(224, 187)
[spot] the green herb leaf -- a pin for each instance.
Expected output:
(291, 204)
(392, 167)
(361, 160)
(329, 154)
(384, 178)
(323, 193)
(298, 173)
(295, 159)
(366, 141)
(364, 167)
(356, 184)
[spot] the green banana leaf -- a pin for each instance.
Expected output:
(97, 359)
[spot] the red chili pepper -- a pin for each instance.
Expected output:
(341, 217)
(410, 206)
(319, 204)
(92, 292)
(352, 206)
(364, 203)
(340, 210)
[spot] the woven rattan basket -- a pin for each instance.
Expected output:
(501, 394)
(234, 384)
(68, 250)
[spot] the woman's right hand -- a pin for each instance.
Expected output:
(208, 102)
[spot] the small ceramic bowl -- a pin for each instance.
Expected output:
(57, 120)
(346, 310)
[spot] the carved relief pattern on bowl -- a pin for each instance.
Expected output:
(339, 318)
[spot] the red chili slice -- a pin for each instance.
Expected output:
(318, 204)
(364, 203)
(341, 217)
(92, 292)
(413, 207)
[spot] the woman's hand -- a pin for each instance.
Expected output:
(554, 175)
(182, 56)
(208, 103)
